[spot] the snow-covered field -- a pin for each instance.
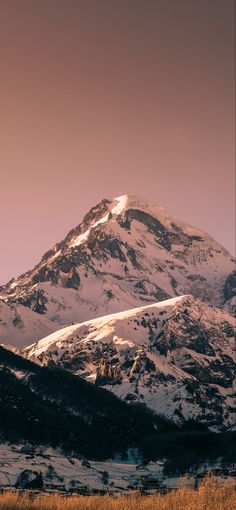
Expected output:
(69, 473)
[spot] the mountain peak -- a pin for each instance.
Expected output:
(120, 213)
(108, 210)
(125, 202)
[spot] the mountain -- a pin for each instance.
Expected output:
(176, 356)
(127, 252)
(53, 407)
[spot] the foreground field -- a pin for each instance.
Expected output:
(208, 497)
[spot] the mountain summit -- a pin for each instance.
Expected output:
(127, 252)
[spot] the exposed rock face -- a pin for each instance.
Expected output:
(230, 286)
(108, 373)
(177, 356)
(230, 293)
(36, 301)
(163, 236)
(126, 253)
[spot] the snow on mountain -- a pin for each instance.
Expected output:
(20, 325)
(127, 252)
(176, 356)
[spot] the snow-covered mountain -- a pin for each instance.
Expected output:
(127, 252)
(176, 356)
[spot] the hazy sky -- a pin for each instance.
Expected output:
(101, 98)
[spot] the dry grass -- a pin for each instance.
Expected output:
(208, 497)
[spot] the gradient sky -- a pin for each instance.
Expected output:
(101, 98)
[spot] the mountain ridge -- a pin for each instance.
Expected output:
(176, 356)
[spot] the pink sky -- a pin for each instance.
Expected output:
(104, 98)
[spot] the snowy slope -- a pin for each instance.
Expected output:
(176, 356)
(127, 252)
(20, 325)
